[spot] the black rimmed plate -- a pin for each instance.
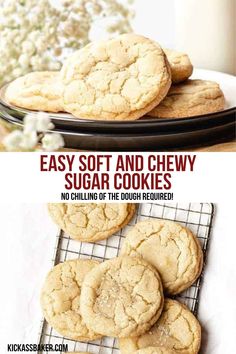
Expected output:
(144, 133)
(144, 141)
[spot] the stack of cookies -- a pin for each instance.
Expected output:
(128, 297)
(124, 78)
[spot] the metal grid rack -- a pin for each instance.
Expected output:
(196, 216)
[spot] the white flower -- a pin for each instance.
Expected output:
(36, 34)
(24, 60)
(52, 142)
(43, 122)
(28, 48)
(37, 122)
(18, 140)
(12, 141)
(30, 123)
(29, 141)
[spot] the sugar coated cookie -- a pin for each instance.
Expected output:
(60, 299)
(117, 79)
(121, 297)
(170, 247)
(39, 91)
(155, 350)
(91, 222)
(180, 65)
(190, 98)
(177, 329)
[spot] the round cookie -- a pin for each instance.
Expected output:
(91, 222)
(60, 299)
(121, 297)
(170, 247)
(155, 350)
(39, 91)
(177, 329)
(180, 65)
(190, 98)
(118, 79)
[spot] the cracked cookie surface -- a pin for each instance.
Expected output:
(90, 222)
(180, 65)
(171, 248)
(39, 91)
(190, 98)
(60, 299)
(118, 79)
(121, 297)
(177, 329)
(155, 350)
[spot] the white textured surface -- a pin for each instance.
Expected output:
(28, 238)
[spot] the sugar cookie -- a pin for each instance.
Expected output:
(60, 299)
(177, 329)
(121, 297)
(168, 246)
(190, 98)
(180, 65)
(38, 91)
(118, 79)
(91, 222)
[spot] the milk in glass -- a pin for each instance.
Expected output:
(206, 30)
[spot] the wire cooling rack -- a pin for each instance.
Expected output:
(196, 216)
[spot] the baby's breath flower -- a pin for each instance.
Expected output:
(35, 126)
(39, 35)
(43, 122)
(52, 142)
(13, 140)
(18, 140)
(29, 141)
(38, 122)
(30, 123)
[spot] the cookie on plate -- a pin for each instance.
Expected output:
(190, 98)
(38, 91)
(91, 222)
(180, 65)
(121, 297)
(118, 79)
(155, 350)
(177, 329)
(170, 247)
(60, 299)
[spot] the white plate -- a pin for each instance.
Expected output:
(227, 84)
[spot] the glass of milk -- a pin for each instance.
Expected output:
(206, 30)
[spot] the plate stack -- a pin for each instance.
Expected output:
(146, 133)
